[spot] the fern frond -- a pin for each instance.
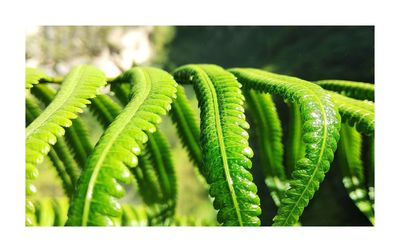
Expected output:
(187, 126)
(44, 212)
(63, 169)
(321, 124)
(295, 145)
(95, 200)
(349, 154)
(268, 131)
(104, 109)
(34, 76)
(80, 85)
(356, 113)
(224, 142)
(60, 206)
(353, 89)
(77, 136)
(161, 158)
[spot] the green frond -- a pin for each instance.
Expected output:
(268, 131)
(104, 109)
(45, 215)
(34, 76)
(95, 202)
(356, 113)
(161, 158)
(134, 216)
(80, 85)
(295, 145)
(60, 206)
(59, 155)
(77, 136)
(349, 154)
(353, 89)
(321, 125)
(224, 143)
(188, 128)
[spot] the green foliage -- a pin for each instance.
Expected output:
(132, 147)
(357, 90)
(95, 200)
(223, 139)
(321, 124)
(80, 85)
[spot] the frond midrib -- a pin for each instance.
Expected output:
(42, 119)
(132, 108)
(322, 151)
(221, 142)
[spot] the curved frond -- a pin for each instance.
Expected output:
(321, 124)
(95, 202)
(34, 76)
(77, 136)
(224, 143)
(187, 126)
(356, 113)
(349, 154)
(353, 89)
(268, 131)
(80, 85)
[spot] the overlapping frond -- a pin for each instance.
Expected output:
(80, 85)
(353, 89)
(95, 202)
(224, 143)
(349, 154)
(268, 130)
(356, 113)
(33, 76)
(321, 124)
(187, 126)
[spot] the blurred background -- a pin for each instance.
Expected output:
(309, 52)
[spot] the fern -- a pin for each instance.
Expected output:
(95, 200)
(188, 127)
(133, 147)
(353, 89)
(349, 153)
(224, 143)
(77, 135)
(356, 113)
(321, 124)
(268, 131)
(34, 76)
(59, 155)
(80, 85)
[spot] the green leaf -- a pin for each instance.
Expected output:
(268, 131)
(188, 128)
(356, 113)
(349, 154)
(34, 76)
(353, 89)
(321, 124)
(77, 136)
(95, 202)
(79, 85)
(224, 143)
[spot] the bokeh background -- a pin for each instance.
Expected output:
(309, 52)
